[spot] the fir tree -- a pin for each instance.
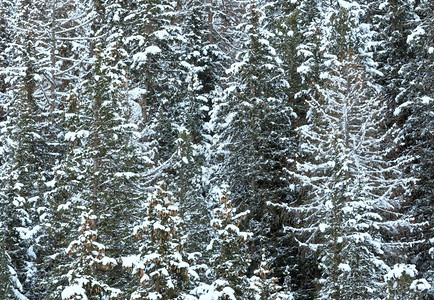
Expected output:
(160, 265)
(264, 285)
(253, 122)
(90, 255)
(229, 259)
(346, 170)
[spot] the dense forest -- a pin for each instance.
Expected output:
(216, 149)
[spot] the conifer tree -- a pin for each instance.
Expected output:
(103, 166)
(6, 277)
(113, 165)
(201, 68)
(346, 188)
(9, 283)
(229, 259)
(264, 285)
(253, 122)
(414, 116)
(352, 186)
(65, 203)
(24, 168)
(6, 13)
(22, 188)
(405, 59)
(401, 284)
(151, 38)
(90, 256)
(160, 266)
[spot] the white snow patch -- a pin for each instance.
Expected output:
(399, 270)
(19, 295)
(398, 110)
(348, 5)
(143, 56)
(420, 285)
(210, 245)
(31, 253)
(152, 50)
(72, 136)
(26, 233)
(415, 34)
(136, 93)
(126, 175)
(64, 206)
(161, 34)
(73, 291)
(323, 227)
(344, 267)
(108, 261)
(229, 292)
(426, 100)
(303, 69)
(130, 261)
(51, 183)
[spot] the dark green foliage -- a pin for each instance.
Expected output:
(102, 100)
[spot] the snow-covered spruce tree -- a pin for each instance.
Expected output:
(6, 32)
(352, 188)
(401, 284)
(9, 284)
(340, 170)
(228, 254)
(113, 164)
(264, 285)
(404, 52)
(151, 38)
(289, 22)
(414, 116)
(201, 69)
(65, 203)
(6, 272)
(393, 21)
(160, 266)
(24, 168)
(253, 125)
(295, 35)
(107, 165)
(21, 185)
(89, 256)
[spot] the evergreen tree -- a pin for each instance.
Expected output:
(253, 122)
(347, 187)
(353, 187)
(103, 166)
(90, 256)
(414, 115)
(263, 286)
(229, 258)
(22, 188)
(401, 284)
(160, 265)
(201, 69)
(6, 13)
(6, 276)
(405, 58)
(65, 203)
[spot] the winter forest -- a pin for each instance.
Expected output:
(216, 149)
